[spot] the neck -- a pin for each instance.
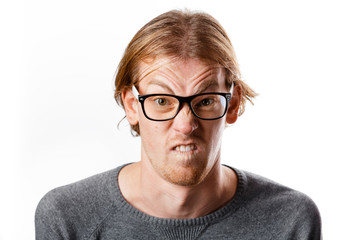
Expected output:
(142, 189)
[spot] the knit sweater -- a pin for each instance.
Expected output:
(94, 208)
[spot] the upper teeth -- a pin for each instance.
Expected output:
(185, 148)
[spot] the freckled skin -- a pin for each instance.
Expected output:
(158, 139)
(184, 184)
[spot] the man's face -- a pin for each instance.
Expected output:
(185, 149)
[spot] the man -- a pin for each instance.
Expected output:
(179, 84)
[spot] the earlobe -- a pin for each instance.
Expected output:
(234, 105)
(130, 106)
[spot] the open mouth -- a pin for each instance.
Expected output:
(185, 148)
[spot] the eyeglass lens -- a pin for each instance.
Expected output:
(208, 106)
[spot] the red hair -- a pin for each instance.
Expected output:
(180, 35)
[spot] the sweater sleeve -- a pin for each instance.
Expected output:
(283, 212)
(43, 231)
(315, 232)
(76, 210)
(49, 219)
(308, 221)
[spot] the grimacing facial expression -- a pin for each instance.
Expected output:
(185, 149)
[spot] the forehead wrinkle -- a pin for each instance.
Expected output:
(145, 73)
(175, 75)
(169, 77)
(207, 77)
(160, 84)
(201, 78)
(150, 68)
(207, 84)
(161, 74)
(204, 73)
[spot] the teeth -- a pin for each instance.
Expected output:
(185, 148)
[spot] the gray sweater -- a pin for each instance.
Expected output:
(95, 209)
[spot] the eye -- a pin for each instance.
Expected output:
(161, 101)
(206, 102)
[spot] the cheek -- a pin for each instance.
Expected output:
(152, 133)
(214, 129)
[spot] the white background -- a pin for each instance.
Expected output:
(59, 118)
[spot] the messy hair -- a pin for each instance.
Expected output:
(181, 35)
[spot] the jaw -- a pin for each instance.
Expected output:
(184, 160)
(182, 168)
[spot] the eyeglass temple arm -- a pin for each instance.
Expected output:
(135, 92)
(232, 88)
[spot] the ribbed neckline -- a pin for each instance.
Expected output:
(135, 213)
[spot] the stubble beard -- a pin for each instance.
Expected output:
(183, 169)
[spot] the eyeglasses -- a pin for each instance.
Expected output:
(163, 107)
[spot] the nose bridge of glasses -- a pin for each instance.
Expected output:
(186, 100)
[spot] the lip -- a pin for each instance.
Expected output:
(194, 147)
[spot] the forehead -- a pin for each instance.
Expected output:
(190, 72)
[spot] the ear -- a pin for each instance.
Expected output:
(130, 106)
(234, 105)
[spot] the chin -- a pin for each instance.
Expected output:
(184, 176)
(182, 169)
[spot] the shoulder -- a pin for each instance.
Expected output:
(259, 188)
(268, 201)
(74, 208)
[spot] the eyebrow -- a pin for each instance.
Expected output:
(207, 84)
(161, 84)
(203, 87)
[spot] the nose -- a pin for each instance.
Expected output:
(185, 122)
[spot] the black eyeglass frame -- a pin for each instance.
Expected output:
(182, 100)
